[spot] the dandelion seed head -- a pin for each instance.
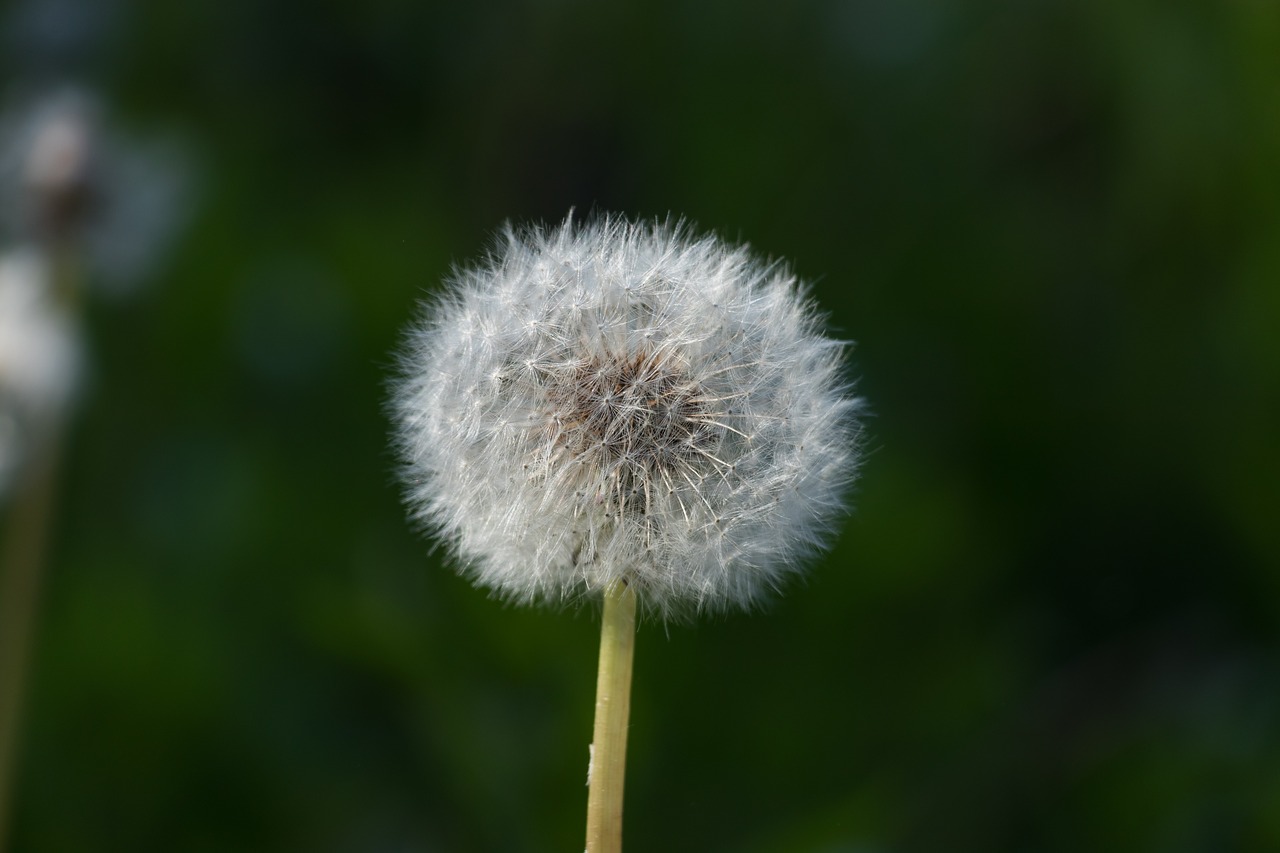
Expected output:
(40, 359)
(66, 173)
(625, 401)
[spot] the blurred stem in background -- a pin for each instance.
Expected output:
(40, 287)
(26, 541)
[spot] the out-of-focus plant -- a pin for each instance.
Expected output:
(76, 205)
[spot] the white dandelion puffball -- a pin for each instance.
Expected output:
(624, 401)
(40, 360)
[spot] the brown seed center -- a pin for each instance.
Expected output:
(639, 411)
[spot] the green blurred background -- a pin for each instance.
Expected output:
(1052, 228)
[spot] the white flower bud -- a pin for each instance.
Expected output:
(624, 401)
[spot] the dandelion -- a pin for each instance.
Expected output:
(40, 360)
(625, 411)
(40, 363)
(69, 176)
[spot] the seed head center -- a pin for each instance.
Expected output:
(640, 410)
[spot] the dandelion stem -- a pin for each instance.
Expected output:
(20, 581)
(613, 707)
(22, 567)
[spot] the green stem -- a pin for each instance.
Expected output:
(613, 708)
(21, 567)
(22, 558)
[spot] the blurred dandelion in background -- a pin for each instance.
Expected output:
(66, 174)
(82, 207)
(40, 355)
